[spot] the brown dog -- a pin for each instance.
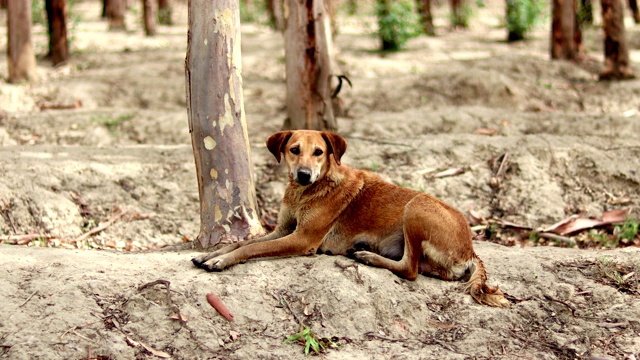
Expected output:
(333, 209)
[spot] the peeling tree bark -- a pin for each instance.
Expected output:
(149, 10)
(22, 59)
(217, 123)
(566, 35)
(616, 51)
(308, 56)
(58, 43)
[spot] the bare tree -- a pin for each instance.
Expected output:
(149, 10)
(58, 42)
(616, 50)
(633, 6)
(165, 12)
(115, 13)
(566, 35)
(22, 59)
(276, 14)
(217, 123)
(426, 17)
(308, 56)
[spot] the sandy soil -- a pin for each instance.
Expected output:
(459, 100)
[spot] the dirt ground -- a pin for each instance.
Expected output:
(82, 189)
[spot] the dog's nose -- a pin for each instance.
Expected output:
(304, 176)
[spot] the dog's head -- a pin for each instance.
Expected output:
(307, 153)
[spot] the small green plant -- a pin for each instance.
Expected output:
(311, 341)
(38, 12)
(626, 231)
(522, 16)
(398, 21)
(112, 123)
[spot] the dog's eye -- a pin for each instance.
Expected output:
(318, 152)
(295, 150)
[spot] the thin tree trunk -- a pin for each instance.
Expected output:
(566, 37)
(3, 4)
(586, 12)
(458, 16)
(633, 5)
(115, 13)
(149, 17)
(426, 18)
(105, 9)
(22, 59)
(217, 123)
(276, 14)
(616, 51)
(58, 43)
(308, 66)
(165, 12)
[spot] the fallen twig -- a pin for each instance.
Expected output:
(29, 298)
(346, 266)
(377, 141)
(571, 307)
(101, 227)
(564, 239)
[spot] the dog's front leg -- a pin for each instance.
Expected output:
(290, 245)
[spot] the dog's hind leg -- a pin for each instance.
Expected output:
(414, 234)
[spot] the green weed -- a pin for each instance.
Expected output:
(398, 21)
(522, 16)
(311, 341)
(626, 231)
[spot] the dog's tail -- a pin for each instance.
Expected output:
(478, 288)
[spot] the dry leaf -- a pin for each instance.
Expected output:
(234, 335)
(486, 131)
(180, 316)
(217, 304)
(158, 353)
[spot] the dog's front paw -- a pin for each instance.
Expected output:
(216, 264)
(198, 261)
(366, 257)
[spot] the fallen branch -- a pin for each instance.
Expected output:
(570, 242)
(29, 298)
(377, 141)
(551, 298)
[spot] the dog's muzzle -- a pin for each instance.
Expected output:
(303, 176)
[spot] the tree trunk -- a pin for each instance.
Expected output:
(115, 13)
(308, 66)
(217, 123)
(566, 37)
(459, 17)
(616, 52)
(586, 12)
(165, 12)
(276, 14)
(58, 43)
(149, 17)
(22, 59)
(633, 5)
(426, 18)
(3, 4)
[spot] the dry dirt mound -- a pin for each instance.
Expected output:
(566, 304)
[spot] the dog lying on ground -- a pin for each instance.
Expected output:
(330, 208)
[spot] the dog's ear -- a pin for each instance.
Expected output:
(336, 144)
(277, 142)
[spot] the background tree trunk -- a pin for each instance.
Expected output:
(22, 59)
(308, 66)
(149, 17)
(115, 13)
(459, 17)
(165, 12)
(566, 37)
(58, 43)
(217, 123)
(616, 51)
(633, 5)
(276, 14)
(3, 4)
(586, 12)
(426, 18)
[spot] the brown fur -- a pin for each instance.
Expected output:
(331, 208)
